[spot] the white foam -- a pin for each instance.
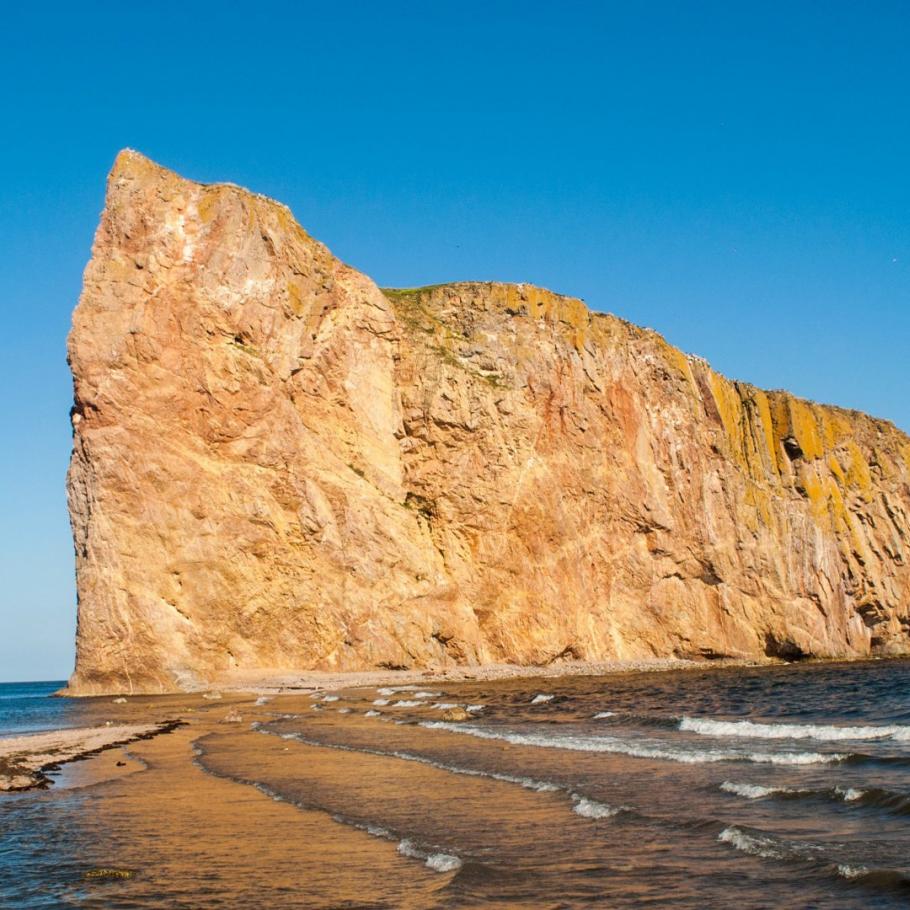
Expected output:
(344, 710)
(753, 844)
(822, 732)
(849, 794)
(443, 862)
(850, 872)
(636, 748)
(381, 701)
(603, 714)
(372, 713)
(542, 699)
(263, 700)
(589, 808)
(331, 698)
(407, 703)
(474, 709)
(445, 705)
(438, 862)
(529, 783)
(407, 848)
(427, 694)
(385, 690)
(750, 791)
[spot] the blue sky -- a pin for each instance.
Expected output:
(735, 175)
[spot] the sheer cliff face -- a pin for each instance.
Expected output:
(276, 465)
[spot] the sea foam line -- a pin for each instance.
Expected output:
(756, 843)
(757, 791)
(638, 749)
(438, 862)
(540, 786)
(583, 805)
(823, 732)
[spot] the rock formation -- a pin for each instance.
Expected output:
(278, 465)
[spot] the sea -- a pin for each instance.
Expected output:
(28, 707)
(773, 787)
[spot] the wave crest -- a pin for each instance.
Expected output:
(637, 748)
(823, 732)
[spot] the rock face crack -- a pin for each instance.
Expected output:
(278, 466)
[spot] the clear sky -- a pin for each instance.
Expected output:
(734, 175)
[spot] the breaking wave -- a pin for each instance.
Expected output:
(589, 808)
(822, 732)
(757, 791)
(638, 748)
(869, 797)
(438, 862)
(766, 846)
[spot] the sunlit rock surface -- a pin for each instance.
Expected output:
(278, 466)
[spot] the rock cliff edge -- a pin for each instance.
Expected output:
(278, 465)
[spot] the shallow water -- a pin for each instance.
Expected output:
(779, 787)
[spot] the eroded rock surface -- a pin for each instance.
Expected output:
(278, 466)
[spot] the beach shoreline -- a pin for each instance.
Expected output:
(275, 682)
(27, 761)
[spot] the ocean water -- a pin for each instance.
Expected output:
(28, 707)
(777, 787)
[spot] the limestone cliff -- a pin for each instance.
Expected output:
(277, 465)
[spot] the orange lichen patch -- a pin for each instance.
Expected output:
(295, 299)
(767, 427)
(579, 340)
(746, 417)
(572, 311)
(289, 225)
(834, 466)
(729, 407)
(858, 476)
(798, 420)
(806, 428)
(837, 427)
(814, 489)
(759, 499)
(207, 204)
(675, 358)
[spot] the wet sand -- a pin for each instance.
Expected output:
(26, 761)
